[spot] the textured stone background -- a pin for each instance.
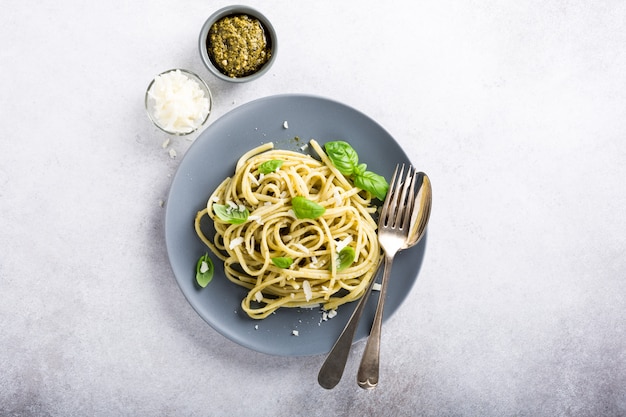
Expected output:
(516, 110)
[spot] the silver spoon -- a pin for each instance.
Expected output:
(332, 369)
(367, 376)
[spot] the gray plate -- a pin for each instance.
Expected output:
(212, 157)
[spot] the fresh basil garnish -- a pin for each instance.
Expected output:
(270, 166)
(304, 208)
(204, 270)
(231, 214)
(372, 182)
(283, 262)
(346, 160)
(343, 156)
(345, 258)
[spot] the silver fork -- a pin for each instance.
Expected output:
(393, 230)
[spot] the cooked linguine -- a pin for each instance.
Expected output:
(287, 256)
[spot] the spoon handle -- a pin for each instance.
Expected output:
(332, 368)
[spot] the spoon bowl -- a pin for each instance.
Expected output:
(421, 212)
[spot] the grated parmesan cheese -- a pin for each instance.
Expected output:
(327, 315)
(258, 296)
(342, 244)
(301, 247)
(376, 287)
(179, 103)
(253, 178)
(337, 197)
(295, 333)
(308, 293)
(235, 242)
(255, 218)
(204, 266)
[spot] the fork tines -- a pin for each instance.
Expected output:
(396, 211)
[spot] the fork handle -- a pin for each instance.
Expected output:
(367, 377)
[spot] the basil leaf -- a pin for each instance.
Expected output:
(270, 166)
(282, 262)
(372, 182)
(345, 159)
(230, 214)
(360, 169)
(345, 258)
(304, 208)
(343, 156)
(204, 270)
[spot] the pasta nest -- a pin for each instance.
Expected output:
(272, 230)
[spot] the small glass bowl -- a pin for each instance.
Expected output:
(150, 103)
(270, 35)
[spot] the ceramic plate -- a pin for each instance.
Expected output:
(212, 157)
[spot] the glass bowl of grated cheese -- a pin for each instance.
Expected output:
(178, 102)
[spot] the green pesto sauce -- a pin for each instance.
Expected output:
(237, 45)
